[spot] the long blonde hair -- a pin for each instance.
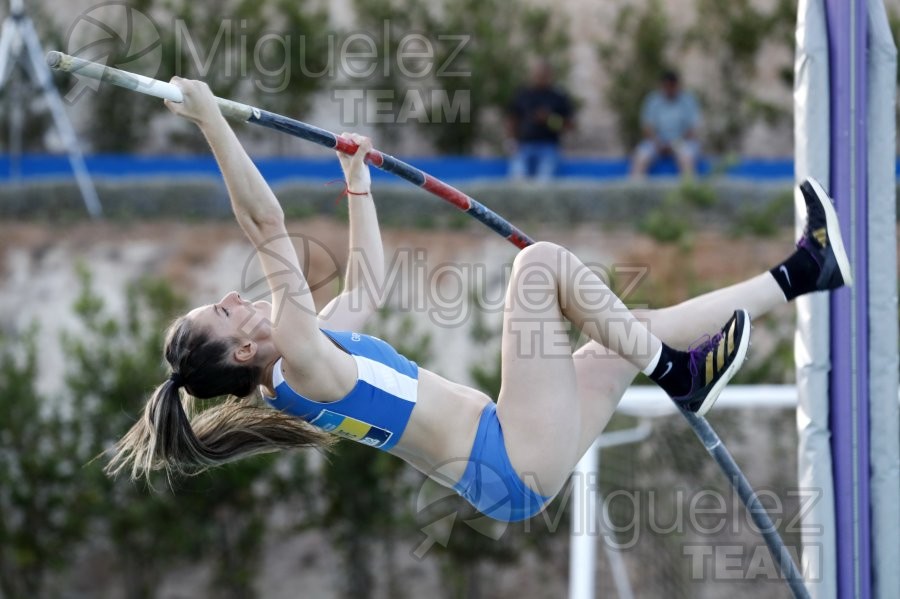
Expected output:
(170, 436)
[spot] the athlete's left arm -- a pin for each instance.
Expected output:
(362, 294)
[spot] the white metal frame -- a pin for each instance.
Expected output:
(645, 403)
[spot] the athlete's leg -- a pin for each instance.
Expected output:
(682, 324)
(819, 263)
(538, 404)
(602, 376)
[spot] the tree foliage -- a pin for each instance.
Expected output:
(633, 61)
(42, 491)
(259, 51)
(733, 36)
(730, 38)
(489, 42)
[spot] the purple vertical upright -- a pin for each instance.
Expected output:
(849, 417)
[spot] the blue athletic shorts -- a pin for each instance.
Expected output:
(490, 483)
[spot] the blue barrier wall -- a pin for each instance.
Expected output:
(447, 168)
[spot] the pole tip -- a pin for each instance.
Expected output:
(53, 59)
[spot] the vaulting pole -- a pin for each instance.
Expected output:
(257, 116)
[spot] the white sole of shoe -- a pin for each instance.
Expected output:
(834, 232)
(742, 345)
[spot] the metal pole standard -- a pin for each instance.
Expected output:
(494, 221)
(19, 43)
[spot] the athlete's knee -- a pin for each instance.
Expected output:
(535, 277)
(539, 265)
(543, 252)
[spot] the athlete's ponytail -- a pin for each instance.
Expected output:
(167, 436)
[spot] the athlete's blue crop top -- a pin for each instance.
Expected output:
(376, 410)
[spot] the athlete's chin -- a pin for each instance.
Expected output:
(263, 308)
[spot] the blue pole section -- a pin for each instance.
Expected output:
(849, 416)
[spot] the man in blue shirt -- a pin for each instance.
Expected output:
(669, 117)
(538, 115)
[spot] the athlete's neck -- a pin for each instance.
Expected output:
(266, 380)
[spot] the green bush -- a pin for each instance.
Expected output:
(775, 214)
(42, 490)
(614, 204)
(123, 200)
(694, 193)
(665, 227)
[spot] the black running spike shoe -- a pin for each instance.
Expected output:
(714, 361)
(822, 238)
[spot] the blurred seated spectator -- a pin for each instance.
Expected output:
(669, 117)
(538, 115)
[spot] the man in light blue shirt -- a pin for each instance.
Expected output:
(669, 117)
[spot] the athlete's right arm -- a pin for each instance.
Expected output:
(255, 206)
(294, 319)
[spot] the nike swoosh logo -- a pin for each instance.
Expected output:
(668, 368)
(783, 269)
